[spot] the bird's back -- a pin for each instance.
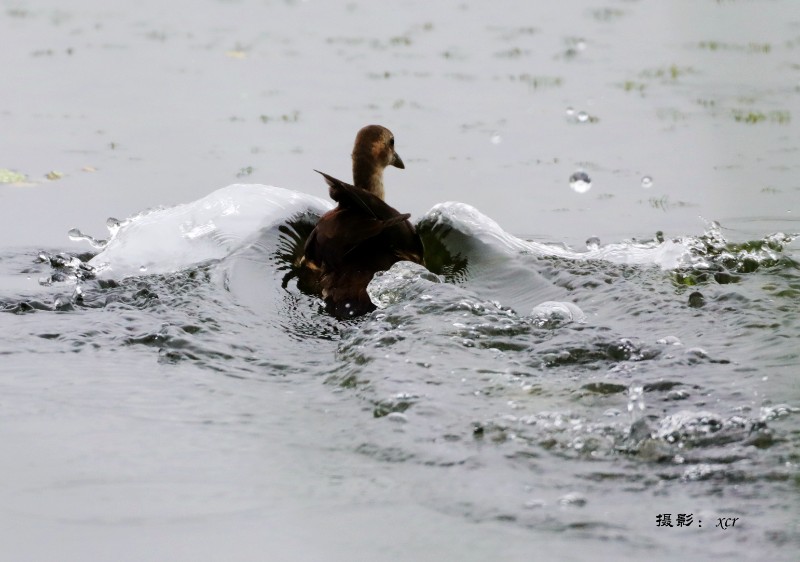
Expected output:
(361, 236)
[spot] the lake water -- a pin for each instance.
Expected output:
(608, 196)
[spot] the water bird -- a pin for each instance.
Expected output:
(362, 235)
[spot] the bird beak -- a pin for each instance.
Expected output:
(398, 162)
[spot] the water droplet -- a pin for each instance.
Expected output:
(142, 268)
(113, 225)
(496, 138)
(647, 182)
(554, 313)
(397, 417)
(593, 243)
(635, 399)
(573, 498)
(580, 182)
(669, 340)
(580, 45)
(534, 504)
(77, 295)
(570, 112)
(583, 117)
(76, 236)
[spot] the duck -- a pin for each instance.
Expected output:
(362, 234)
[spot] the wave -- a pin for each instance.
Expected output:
(170, 239)
(216, 226)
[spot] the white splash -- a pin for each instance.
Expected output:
(171, 239)
(467, 219)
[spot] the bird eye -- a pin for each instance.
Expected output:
(391, 142)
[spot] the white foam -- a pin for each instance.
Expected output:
(171, 239)
(467, 219)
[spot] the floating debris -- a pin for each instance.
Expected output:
(762, 48)
(633, 86)
(292, 117)
(781, 117)
(672, 72)
(10, 176)
(537, 82)
(236, 54)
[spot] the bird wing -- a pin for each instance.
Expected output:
(356, 198)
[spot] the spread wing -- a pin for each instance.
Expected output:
(349, 196)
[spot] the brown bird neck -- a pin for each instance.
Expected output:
(367, 175)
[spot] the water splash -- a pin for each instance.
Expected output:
(65, 268)
(480, 229)
(712, 257)
(170, 239)
(580, 182)
(76, 236)
(553, 314)
(403, 281)
(635, 401)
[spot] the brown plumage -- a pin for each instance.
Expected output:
(363, 234)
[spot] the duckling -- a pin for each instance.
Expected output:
(362, 235)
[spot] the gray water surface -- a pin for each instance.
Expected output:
(214, 412)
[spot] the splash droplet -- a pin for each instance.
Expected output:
(635, 399)
(570, 112)
(647, 182)
(551, 314)
(583, 117)
(142, 268)
(580, 182)
(76, 236)
(592, 243)
(113, 225)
